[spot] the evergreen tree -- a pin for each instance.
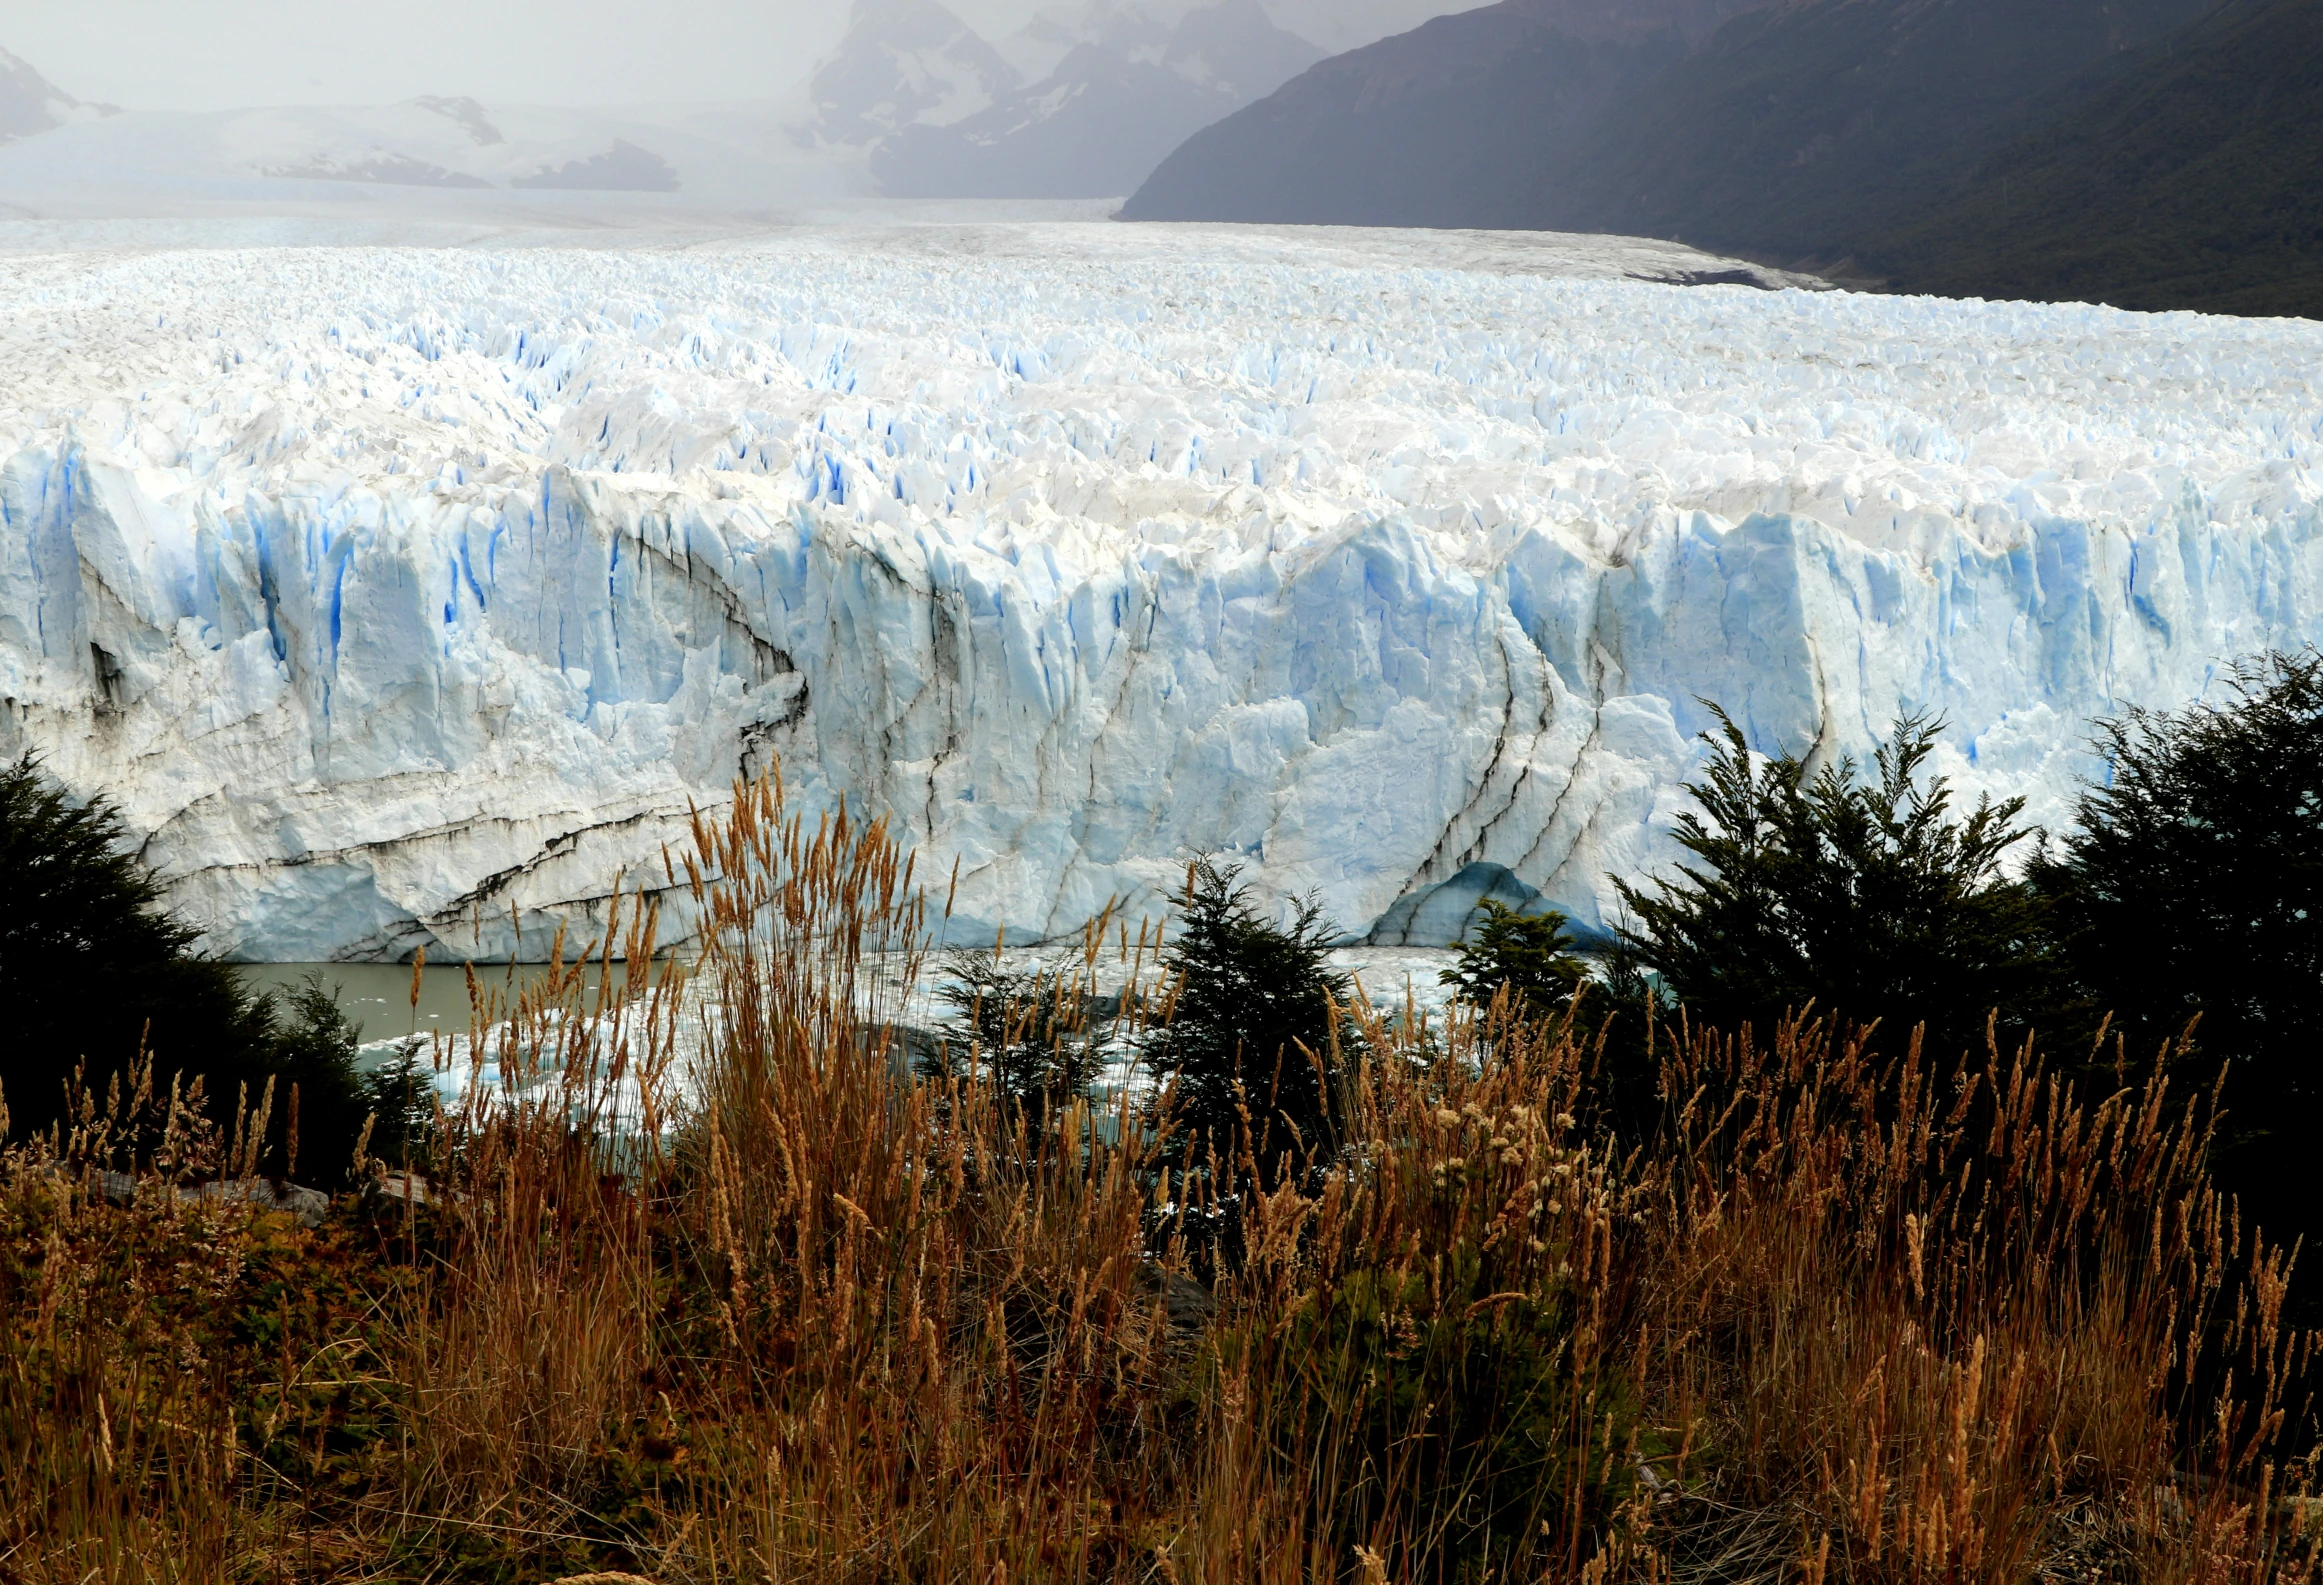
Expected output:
(93, 969)
(315, 1049)
(1252, 1028)
(1528, 953)
(399, 1100)
(94, 972)
(2194, 886)
(1865, 897)
(1028, 1030)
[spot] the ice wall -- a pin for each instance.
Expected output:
(411, 598)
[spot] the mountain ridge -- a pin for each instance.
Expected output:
(1404, 131)
(30, 103)
(1108, 113)
(899, 62)
(2154, 153)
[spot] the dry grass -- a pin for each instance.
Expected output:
(1969, 1329)
(1840, 1318)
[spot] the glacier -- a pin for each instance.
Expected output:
(413, 598)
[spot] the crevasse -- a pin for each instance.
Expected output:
(409, 598)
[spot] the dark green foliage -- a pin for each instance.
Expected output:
(400, 1100)
(314, 1049)
(93, 970)
(1626, 1021)
(1251, 1028)
(1028, 1030)
(1528, 953)
(1866, 898)
(2191, 176)
(2194, 885)
(92, 967)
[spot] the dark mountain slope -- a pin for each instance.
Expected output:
(1453, 124)
(2191, 179)
(1800, 125)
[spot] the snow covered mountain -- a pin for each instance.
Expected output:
(426, 150)
(402, 145)
(903, 63)
(1096, 125)
(411, 598)
(1082, 102)
(426, 142)
(30, 103)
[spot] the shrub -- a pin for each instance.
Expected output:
(1955, 1319)
(399, 1105)
(1866, 898)
(2193, 886)
(1248, 1046)
(313, 1056)
(1449, 1419)
(97, 974)
(1029, 1030)
(93, 969)
(1436, 1385)
(1526, 953)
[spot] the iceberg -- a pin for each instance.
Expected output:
(414, 599)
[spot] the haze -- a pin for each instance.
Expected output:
(221, 54)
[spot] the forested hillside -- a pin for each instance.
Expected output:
(2191, 179)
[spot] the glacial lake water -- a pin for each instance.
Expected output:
(378, 995)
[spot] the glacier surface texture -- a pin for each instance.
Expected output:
(411, 598)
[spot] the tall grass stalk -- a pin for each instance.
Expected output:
(707, 1287)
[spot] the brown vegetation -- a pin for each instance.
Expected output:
(1845, 1316)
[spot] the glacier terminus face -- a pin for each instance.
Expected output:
(412, 598)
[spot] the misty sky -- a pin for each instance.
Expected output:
(219, 54)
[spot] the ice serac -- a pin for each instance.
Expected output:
(414, 599)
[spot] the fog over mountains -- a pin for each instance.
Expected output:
(433, 155)
(61, 158)
(1083, 102)
(2145, 153)
(903, 62)
(30, 103)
